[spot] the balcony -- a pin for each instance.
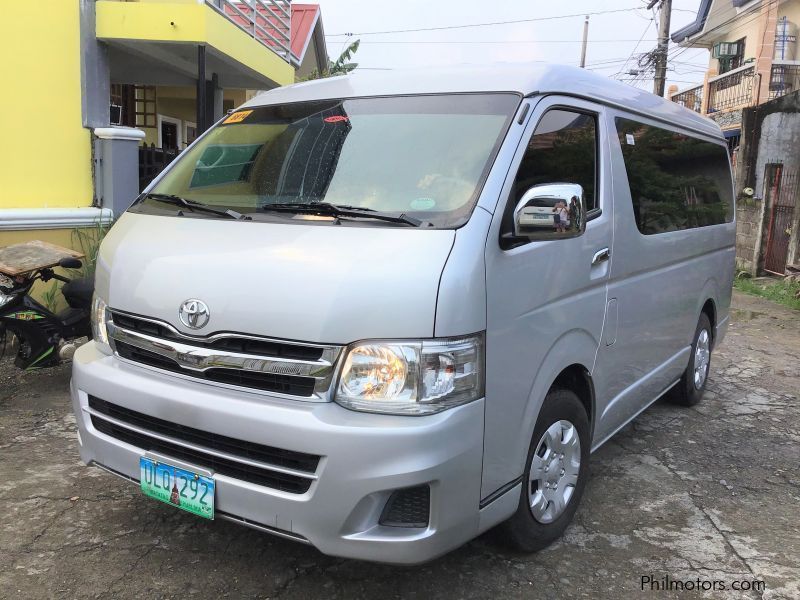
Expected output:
(731, 90)
(784, 78)
(691, 98)
(266, 21)
(155, 42)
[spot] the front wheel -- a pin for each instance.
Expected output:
(689, 390)
(555, 473)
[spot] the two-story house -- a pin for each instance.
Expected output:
(81, 74)
(753, 57)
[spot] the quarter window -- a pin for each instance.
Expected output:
(676, 181)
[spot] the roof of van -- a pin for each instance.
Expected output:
(523, 78)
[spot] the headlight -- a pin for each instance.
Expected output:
(412, 378)
(99, 318)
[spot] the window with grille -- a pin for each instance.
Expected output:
(145, 96)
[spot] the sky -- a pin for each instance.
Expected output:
(615, 38)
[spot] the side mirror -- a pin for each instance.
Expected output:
(69, 263)
(550, 211)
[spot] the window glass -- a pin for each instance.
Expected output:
(563, 149)
(421, 156)
(676, 181)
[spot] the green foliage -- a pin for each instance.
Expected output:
(88, 240)
(783, 291)
(340, 66)
(50, 297)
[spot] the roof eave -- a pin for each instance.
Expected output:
(695, 27)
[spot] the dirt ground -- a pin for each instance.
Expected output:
(698, 495)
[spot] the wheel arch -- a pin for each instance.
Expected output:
(567, 364)
(707, 304)
(577, 378)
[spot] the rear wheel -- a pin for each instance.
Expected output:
(555, 473)
(689, 390)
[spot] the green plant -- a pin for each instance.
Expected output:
(88, 240)
(340, 66)
(50, 297)
(783, 291)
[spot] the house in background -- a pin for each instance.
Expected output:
(754, 58)
(752, 89)
(109, 91)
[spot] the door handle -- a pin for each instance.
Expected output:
(601, 256)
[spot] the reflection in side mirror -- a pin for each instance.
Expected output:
(550, 211)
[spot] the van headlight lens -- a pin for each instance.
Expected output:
(99, 318)
(412, 378)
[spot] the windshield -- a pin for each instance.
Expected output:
(420, 156)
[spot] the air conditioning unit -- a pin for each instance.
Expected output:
(115, 114)
(725, 49)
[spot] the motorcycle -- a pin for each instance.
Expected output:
(40, 337)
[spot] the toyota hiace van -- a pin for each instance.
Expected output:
(383, 313)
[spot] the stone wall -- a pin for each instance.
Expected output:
(770, 134)
(749, 228)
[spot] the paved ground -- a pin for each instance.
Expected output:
(711, 493)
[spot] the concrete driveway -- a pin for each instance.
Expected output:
(702, 495)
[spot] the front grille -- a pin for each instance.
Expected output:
(269, 382)
(298, 461)
(270, 348)
(409, 507)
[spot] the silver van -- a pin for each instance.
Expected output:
(381, 314)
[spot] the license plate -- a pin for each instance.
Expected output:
(540, 216)
(189, 491)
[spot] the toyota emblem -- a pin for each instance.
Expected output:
(194, 313)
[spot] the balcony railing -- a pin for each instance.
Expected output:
(691, 98)
(731, 90)
(784, 79)
(267, 21)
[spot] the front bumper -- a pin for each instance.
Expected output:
(364, 458)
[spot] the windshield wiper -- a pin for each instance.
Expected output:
(192, 205)
(339, 210)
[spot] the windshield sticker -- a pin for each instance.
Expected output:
(238, 117)
(335, 119)
(423, 203)
(629, 139)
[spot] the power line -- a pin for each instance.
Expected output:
(625, 64)
(443, 27)
(498, 42)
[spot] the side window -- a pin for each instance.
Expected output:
(676, 181)
(562, 149)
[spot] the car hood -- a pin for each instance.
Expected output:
(313, 283)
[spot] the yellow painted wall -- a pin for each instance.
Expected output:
(45, 155)
(60, 237)
(172, 21)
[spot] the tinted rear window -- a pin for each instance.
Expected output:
(676, 181)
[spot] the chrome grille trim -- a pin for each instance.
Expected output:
(187, 354)
(203, 449)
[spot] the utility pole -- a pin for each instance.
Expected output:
(585, 38)
(664, 13)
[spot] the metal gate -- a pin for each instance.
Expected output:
(781, 191)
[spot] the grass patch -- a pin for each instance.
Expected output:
(782, 291)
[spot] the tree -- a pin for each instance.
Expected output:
(340, 66)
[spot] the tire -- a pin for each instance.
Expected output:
(524, 531)
(689, 390)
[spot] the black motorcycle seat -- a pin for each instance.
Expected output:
(78, 292)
